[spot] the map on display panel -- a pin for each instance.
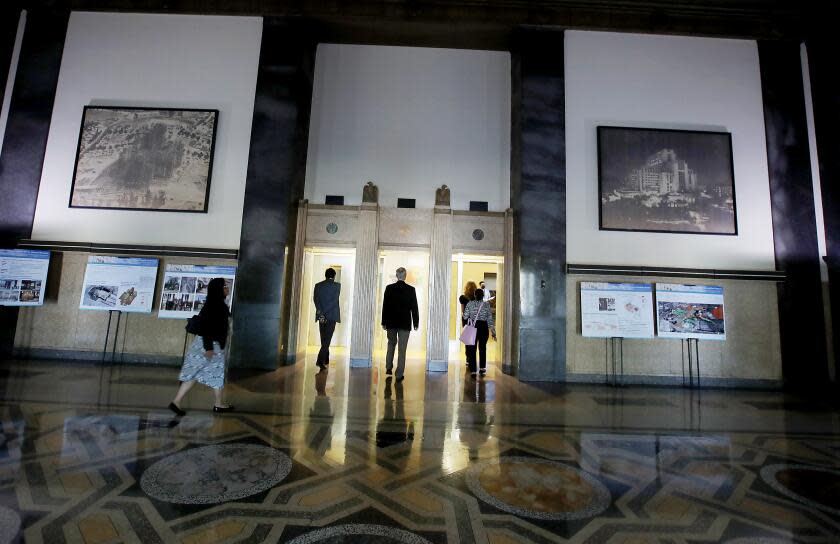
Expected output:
(126, 284)
(690, 311)
(23, 276)
(616, 310)
(185, 288)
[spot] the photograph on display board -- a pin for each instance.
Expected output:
(616, 310)
(662, 180)
(155, 159)
(690, 311)
(126, 284)
(185, 288)
(23, 276)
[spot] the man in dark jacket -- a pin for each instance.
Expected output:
(327, 313)
(399, 312)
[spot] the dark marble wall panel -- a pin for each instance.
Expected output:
(25, 140)
(276, 167)
(9, 19)
(801, 323)
(538, 197)
(822, 61)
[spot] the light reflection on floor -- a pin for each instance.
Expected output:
(90, 454)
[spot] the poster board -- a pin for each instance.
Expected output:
(616, 310)
(185, 288)
(126, 284)
(23, 276)
(690, 311)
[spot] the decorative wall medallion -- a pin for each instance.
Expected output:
(215, 474)
(478, 234)
(538, 488)
(332, 228)
(369, 532)
(812, 485)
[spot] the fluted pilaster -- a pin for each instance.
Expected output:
(364, 294)
(437, 348)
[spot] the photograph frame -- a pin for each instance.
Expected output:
(210, 160)
(729, 170)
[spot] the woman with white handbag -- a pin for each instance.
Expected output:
(480, 325)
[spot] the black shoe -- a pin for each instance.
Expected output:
(389, 372)
(178, 411)
(222, 409)
(401, 378)
(482, 372)
(472, 374)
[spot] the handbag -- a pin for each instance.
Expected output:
(193, 325)
(469, 332)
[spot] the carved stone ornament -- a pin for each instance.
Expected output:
(370, 193)
(442, 196)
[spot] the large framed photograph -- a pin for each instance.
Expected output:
(660, 180)
(155, 159)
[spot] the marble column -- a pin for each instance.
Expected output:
(538, 198)
(440, 272)
(801, 325)
(822, 63)
(364, 291)
(274, 183)
(25, 139)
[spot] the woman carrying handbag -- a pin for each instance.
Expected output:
(480, 325)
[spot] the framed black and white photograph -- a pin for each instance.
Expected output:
(661, 180)
(155, 159)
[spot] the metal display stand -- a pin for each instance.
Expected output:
(614, 353)
(690, 351)
(186, 336)
(108, 334)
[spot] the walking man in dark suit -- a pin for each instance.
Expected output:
(327, 313)
(399, 312)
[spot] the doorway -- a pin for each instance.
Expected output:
(477, 268)
(315, 263)
(416, 264)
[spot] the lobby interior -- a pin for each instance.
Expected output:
(570, 436)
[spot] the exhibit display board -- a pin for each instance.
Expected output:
(126, 284)
(690, 311)
(185, 288)
(616, 310)
(23, 276)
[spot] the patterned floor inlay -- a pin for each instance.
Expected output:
(215, 474)
(345, 456)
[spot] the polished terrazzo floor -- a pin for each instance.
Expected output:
(90, 454)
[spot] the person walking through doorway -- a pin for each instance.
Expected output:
(205, 359)
(327, 313)
(399, 312)
(479, 312)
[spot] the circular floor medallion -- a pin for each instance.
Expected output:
(215, 474)
(815, 486)
(9, 524)
(538, 488)
(369, 532)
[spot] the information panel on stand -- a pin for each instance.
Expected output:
(185, 288)
(126, 284)
(616, 310)
(690, 311)
(23, 276)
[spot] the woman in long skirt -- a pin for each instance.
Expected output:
(205, 358)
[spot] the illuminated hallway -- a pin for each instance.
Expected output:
(90, 454)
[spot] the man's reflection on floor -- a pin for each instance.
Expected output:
(393, 428)
(474, 423)
(319, 425)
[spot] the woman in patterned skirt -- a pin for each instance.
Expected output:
(205, 359)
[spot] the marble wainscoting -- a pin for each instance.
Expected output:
(749, 357)
(60, 330)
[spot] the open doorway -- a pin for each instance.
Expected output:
(416, 264)
(315, 263)
(477, 268)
